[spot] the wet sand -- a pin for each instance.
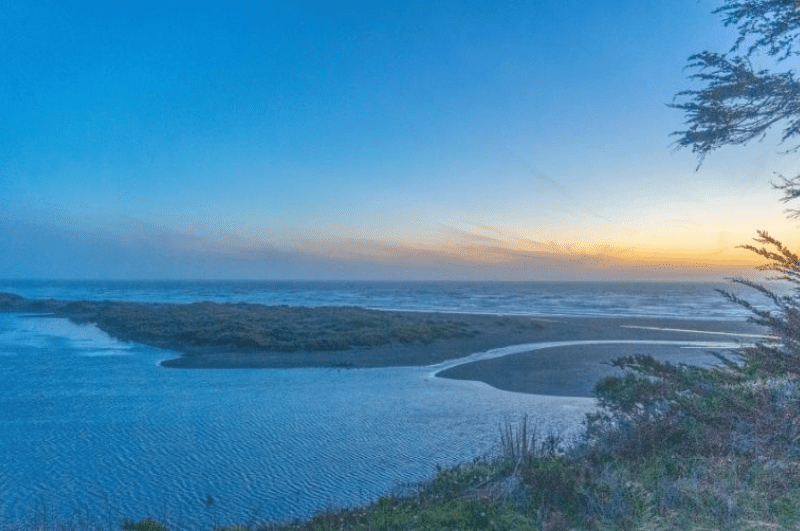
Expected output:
(574, 370)
(559, 371)
(571, 370)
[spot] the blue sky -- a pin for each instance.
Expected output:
(421, 140)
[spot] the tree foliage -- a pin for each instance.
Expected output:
(737, 102)
(749, 405)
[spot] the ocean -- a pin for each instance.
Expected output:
(93, 430)
(682, 300)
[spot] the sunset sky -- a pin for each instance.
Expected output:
(367, 140)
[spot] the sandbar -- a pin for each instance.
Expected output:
(557, 371)
(247, 336)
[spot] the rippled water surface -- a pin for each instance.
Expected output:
(93, 430)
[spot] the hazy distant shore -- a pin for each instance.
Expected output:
(222, 336)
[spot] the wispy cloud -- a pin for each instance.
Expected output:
(60, 246)
(534, 172)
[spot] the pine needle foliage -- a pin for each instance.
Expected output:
(737, 102)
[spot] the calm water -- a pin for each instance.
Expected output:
(93, 430)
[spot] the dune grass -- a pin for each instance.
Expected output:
(241, 327)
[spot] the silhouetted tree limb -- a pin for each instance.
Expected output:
(791, 190)
(737, 102)
(772, 25)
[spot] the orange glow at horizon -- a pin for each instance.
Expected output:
(647, 249)
(601, 259)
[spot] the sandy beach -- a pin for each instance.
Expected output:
(558, 371)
